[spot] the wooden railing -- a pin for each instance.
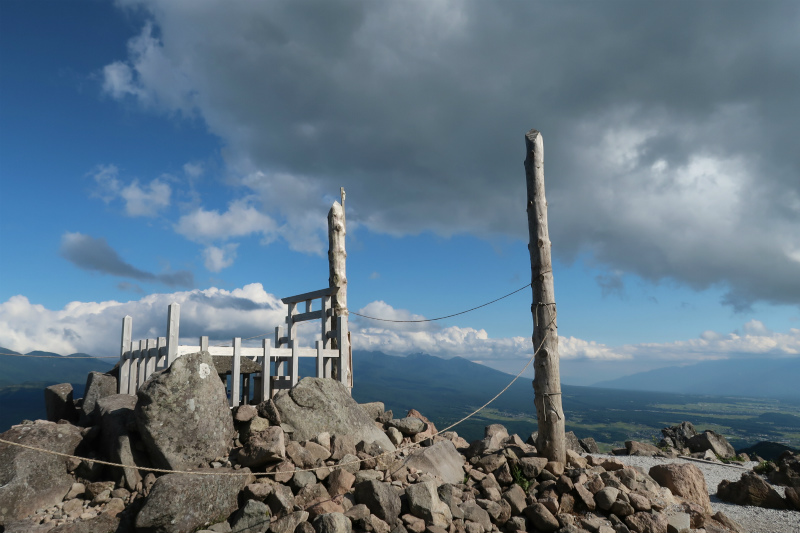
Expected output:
(278, 363)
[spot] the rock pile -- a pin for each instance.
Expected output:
(683, 440)
(753, 490)
(314, 461)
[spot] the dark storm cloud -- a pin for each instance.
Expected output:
(88, 253)
(668, 127)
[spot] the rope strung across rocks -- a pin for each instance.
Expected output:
(260, 474)
(441, 317)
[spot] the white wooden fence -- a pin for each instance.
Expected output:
(139, 359)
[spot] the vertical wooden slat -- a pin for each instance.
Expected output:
(294, 365)
(152, 357)
(344, 350)
(125, 355)
(161, 361)
(266, 378)
(143, 344)
(326, 327)
(173, 332)
(236, 373)
(291, 325)
(280, 365)
(320, 361)
(204, 343)
(134, 370)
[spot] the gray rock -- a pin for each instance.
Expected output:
(351, 463)
(441, 460)
(289, 523)
(267, 409)
(532, 466)
(679, 434)
(253, 517)
(683, 480)
(183, 414)
(475, 513)
(332, 523)
(117, 443)
(262, 447)
(515, 496)
(395, 436)
(641, 449)
(751, 489)
(711, 440)
(408, 426)
(571, 442)
(302, 479)
(542, 518)
(98, 385)
(281, 500)
(58, 403)
(677, 522)
(589, 445)
(316, 405)
(342, 445)
(424, 502)
(253, 425)
(31, 480)
(183, 502)
(245, 413)
(605, 498)
(374, 409)
(380, 498)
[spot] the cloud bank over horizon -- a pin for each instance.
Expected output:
(670, 148)
(93, 328)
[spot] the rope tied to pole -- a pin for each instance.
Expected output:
(441, 317)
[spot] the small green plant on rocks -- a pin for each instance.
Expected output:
(519, 478)
(764, 467)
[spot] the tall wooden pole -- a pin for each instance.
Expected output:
(337, 261)
(547, 380)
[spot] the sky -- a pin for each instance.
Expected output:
(188, 151)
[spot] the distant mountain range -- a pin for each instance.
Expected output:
(57, 368)
(760, 378)
(445, 390)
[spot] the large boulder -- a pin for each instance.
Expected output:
(117, 442)
(181, 503)
(711, 440)
(679, 435)
(683, 480)
(750, 490)
(58, 403)
(441, 460)
(29, 479)
(317, 405)
(183, 416)
(98, 385)
(381, 498)
(424, 502)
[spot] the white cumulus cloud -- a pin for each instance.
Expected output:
(216, 258)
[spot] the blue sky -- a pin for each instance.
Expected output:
(189, 151)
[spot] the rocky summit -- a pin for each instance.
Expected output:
(312, 460)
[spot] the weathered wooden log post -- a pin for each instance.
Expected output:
(337, 256)
(547, 380)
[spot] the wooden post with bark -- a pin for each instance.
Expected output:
(547, 380)
(337, 260)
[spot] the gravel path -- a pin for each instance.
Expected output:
(753, 519)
